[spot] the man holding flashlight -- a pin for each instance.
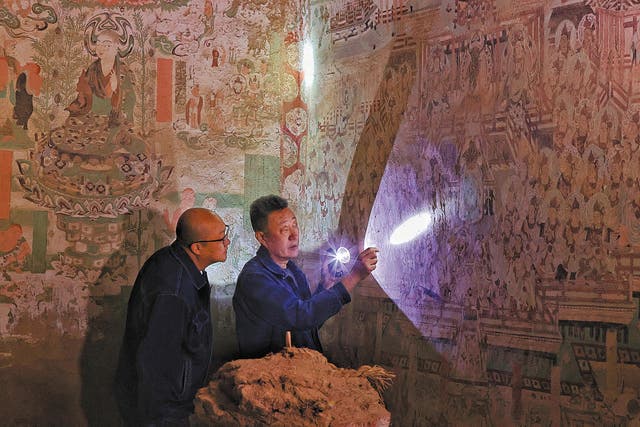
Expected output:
(272, 295)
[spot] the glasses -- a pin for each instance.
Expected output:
(226, 234)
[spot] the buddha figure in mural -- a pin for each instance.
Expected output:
(105, 87)
(94, 167)
(95, 164)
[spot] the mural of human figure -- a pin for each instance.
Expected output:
(14, 249)
(214, 112)
(7, 78)
(23, 107)
(105, 87)
(18, 84)
(194, 108)
(215, 58)
(99, 135)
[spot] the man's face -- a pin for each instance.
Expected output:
(281, 236)
(106, 45)
(213, 252)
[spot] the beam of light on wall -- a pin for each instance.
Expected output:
(406, 227)
(308, 63)
(411, 228)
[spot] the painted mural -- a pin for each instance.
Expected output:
(517, 304)
(510, 128)
(117, 117)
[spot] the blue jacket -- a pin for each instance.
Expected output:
(270, 300)
(167, 345)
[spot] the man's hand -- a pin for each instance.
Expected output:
(327, 280)
(364, 265)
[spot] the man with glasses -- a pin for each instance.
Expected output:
(167, 344)
(272, 295)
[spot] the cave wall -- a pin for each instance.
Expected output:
(511, 127)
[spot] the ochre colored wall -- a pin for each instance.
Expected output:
(511, 127)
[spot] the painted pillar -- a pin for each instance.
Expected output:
(164, 87)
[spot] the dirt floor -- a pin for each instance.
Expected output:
(296, 387)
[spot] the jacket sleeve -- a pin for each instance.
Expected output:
(163, 377)
(274, 302)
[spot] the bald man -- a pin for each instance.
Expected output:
(167, 344)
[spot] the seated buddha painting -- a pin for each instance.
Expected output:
(95, 164)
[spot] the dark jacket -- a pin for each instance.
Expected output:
(270, 300)
(167, 345)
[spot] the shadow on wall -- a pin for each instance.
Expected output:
(99, 356)
(225, 344)
(145, 232)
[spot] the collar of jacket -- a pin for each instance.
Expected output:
(265, 259)
(183, 257)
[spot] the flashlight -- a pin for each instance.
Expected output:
(338, 260)
(343, 256)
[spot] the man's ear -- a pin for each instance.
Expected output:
(195, 248)
(260, 237)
